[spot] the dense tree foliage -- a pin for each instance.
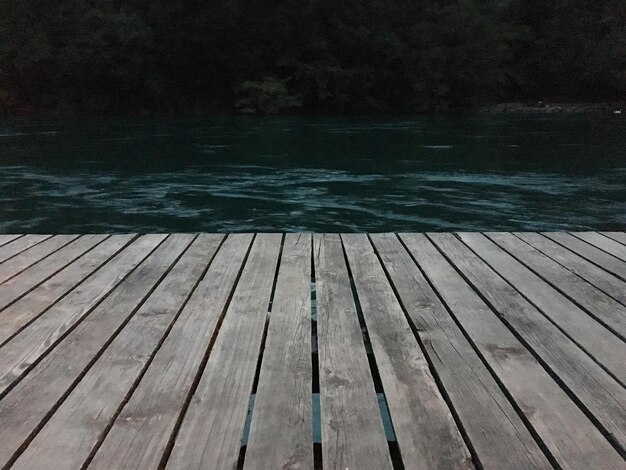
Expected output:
(325, 56)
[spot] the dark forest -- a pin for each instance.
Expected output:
(307, 56)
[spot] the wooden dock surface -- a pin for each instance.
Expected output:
(313, 351)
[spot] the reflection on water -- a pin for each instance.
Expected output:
(464, 173)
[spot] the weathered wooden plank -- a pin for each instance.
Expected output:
(590, 252)
(28, 346)
(498, 435)
(211, 430)
(281, 431)
(571, 438)
(5, 239)
(27, 405)
(28, 279)
(36, 302)
(69, 401)
(352, 430)
(599, 342)
(602, 395)
(591, 273)
(617, 236)
(73, 431)
(141, 432)
(16, 247)
(33, 255)
(417, 408)
(604, 243)
(602, 307)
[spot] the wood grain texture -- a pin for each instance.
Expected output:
(27, 347)
(281, 431)
(599, 278)
(141, 352)
(29, 402)
(16, 247)
(590, 252)
(352, 429)
(498, 435)
(604, 397)
(141, 432)
(5, 239)
(599, 342)
(68, 438)
(37, 274)
(33, 255)
(36, 302)
(617, 236)
(211, 431)
(604, 243)
(417, 408)
(602, 307)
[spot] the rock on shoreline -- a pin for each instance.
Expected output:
(549, 108)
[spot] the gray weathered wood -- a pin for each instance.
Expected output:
(617, 236)
(140, 434)
(597, 303)
(211, 430)
(16, 247)
(125, 352)
(5, 239)
(598, 341)
(281, 431)
(71, 434)
(28, 346)
(572, 439)
(588, 271)
(417, 408)
(604, 243)
(37, 301)
(46, 268)
(26, 405)
(498, 435)
(590, 252)
(33, 255)
(352, 431)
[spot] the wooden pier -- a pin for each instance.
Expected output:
(299, 351)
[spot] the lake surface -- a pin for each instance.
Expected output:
(483, 172)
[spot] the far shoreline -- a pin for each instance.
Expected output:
(513, 107)
(553, 108)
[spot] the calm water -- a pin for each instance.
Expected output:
(465, 173)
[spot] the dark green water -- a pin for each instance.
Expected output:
(486, 172)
